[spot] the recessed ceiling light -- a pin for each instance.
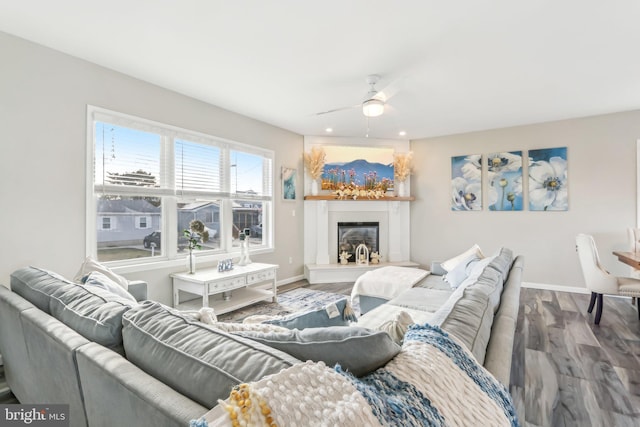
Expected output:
(402, 133)
(329, 130)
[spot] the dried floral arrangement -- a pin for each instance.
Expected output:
(314, 162)
(352, 191)
(402, 164)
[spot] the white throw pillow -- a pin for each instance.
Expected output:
(90, 265)
(99, 280)
(450, 264)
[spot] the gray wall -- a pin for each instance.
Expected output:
(602, 197)
(43, 100)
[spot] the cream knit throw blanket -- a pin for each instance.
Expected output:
(433, 381)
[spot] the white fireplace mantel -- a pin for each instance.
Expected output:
(321, 219)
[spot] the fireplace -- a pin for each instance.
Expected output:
(351, 234)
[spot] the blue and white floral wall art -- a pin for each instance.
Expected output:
(548, 190)
(504, 173)
(466, 183)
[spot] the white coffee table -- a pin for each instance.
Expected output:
(247, 284)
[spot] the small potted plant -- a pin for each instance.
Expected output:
(196, 234)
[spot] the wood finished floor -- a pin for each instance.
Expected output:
(566, 370)
(575, 373)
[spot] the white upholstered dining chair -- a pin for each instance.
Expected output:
(598, 280)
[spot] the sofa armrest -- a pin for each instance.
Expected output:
(138, 288)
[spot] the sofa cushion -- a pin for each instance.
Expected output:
(357, 350)
(429, 300)
(194, 359)
(502, 262)
(36, 285)
(469, 312)
(93, 312)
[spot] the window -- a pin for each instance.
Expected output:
(152, 180)
(143, 222)
(106, 223)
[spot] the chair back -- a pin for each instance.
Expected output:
(595, 276)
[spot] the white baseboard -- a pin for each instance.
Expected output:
(551, 287)
(290, 280)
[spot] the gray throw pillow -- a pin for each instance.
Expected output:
(358, 350)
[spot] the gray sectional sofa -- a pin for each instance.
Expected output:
(120, 363)
(482, 315)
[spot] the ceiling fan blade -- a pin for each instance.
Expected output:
(390, 90)
(338, 109)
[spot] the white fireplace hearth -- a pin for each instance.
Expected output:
(321, 219)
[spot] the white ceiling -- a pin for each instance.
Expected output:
(464, 65)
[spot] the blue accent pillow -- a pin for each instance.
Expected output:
(461, 271)
(318, 318)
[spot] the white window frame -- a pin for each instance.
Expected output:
(170, 256)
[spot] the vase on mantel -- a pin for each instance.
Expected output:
(401, 192)
(314, 187)
(191, 263)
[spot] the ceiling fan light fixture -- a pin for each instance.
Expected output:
(372, 107)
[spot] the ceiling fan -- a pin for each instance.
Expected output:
(374, 102)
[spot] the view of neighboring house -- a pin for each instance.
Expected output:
(125, 221)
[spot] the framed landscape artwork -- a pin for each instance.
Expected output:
(504, 174)
(466, 183)
(357, 165)
(548, 185)
(288, 183)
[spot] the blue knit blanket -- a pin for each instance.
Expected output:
(402, 403)
(433, 381)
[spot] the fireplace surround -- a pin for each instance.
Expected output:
(321, 236)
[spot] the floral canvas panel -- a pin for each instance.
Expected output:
(466, 183)
(504, 174)
(548, 190)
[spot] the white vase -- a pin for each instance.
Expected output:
(191, 263)
(401, 192)
(314, 187)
